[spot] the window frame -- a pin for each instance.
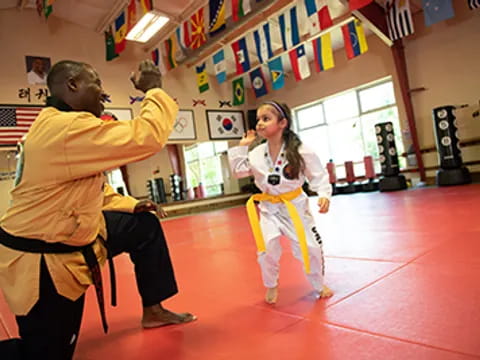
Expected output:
(359, 117)
(198, 159)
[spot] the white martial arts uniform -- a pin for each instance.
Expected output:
(274, 217)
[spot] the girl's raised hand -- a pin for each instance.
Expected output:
(248, 138)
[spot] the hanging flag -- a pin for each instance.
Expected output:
(170, 50)
(241, 56)
(276, 73)
(183, 35)
(357, 4)
(240, 8)
(263, 43)
(299, 61)
(318, 16)
(179, 52)
(259, 84)
(473, 4)
(219, 65)
(120, 33)
(289, 28)
(198, 29)
(435, 11)
(131, 15)
(322, 50)
(47, 7)
(238, 91)
(399, 19)
(157, 60)
(202, 77)
(156, 56)
(110, 53)
(217, 16)
(146, 5)
(354, 39)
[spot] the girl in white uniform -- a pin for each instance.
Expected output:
(280, 167)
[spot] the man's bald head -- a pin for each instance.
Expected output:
(77, 84)
(61, 72)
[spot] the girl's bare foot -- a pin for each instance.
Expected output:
(325, 293)
(271, 295)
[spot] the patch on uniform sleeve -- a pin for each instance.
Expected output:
(317, 236)
(20, 163)
(287, 172)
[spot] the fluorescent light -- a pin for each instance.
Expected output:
(149, 25)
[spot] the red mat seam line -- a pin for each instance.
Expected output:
(365, 259)
(284, 313)
(333, 303)
(399, 339)
(379, 279)
(4, 326)
(290, 325)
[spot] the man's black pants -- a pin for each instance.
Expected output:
(50, 330)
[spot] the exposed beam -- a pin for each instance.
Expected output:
(398, 54)
(112, 15)
(373, 15)
(171, 26)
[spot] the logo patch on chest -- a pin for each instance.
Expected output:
(273, 179)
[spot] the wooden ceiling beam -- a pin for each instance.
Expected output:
(373, 16)
(108, 20)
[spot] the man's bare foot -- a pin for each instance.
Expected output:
(157, 315)
(271, 295)
(325, 293)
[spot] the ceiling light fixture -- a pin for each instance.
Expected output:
(149, 25)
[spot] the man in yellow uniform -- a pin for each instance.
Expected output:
(64, 220)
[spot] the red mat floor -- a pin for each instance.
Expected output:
(404, 266)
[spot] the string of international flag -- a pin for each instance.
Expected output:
(194, 32)
(319, 19)
(399, 23)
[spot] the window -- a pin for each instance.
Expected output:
(203, 166)
(376, 97)
(310, 117)
(342, 127)
(341, 107)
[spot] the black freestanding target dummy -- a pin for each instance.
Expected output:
(391, 179)
(452, 171)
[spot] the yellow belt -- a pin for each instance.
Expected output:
(286, 198)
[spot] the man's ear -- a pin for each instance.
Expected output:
(72, 84)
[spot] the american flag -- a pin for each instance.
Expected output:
(15, 122)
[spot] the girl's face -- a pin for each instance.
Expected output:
(268, 123)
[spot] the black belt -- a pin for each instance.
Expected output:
(42, 247)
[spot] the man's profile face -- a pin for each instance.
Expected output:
(37, 66)
(90, 91)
